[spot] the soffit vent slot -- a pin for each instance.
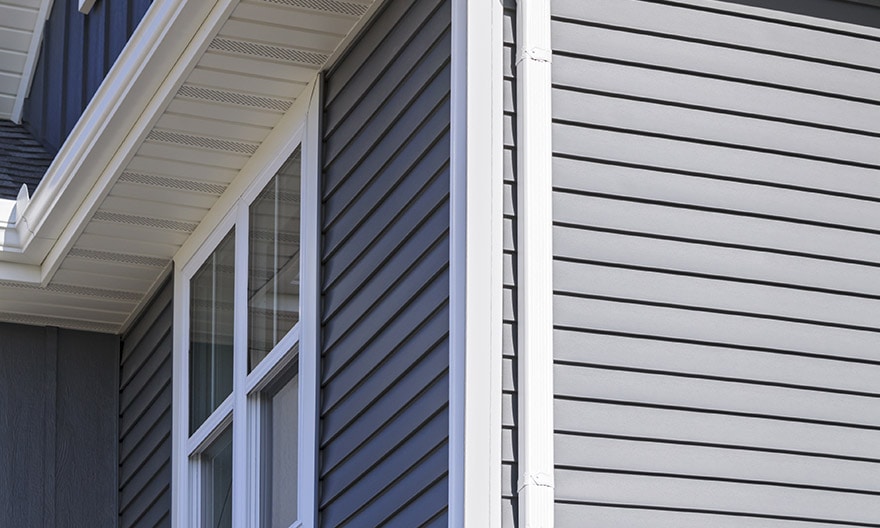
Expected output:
(56, 321)
(172, 183)
(123, 258)
(221, 96)
(79, 291)
(144, 221)
(265, 51)
(331, 6)
(211, 143)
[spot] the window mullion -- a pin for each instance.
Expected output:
(239, 362)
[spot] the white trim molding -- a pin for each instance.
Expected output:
(30, 64)
(535, 265)
(476, 194)
(85, 6)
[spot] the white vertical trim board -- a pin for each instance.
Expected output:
(307, 501)
(535, 265)
(475, 266)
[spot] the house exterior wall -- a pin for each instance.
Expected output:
(384, 421)
(77, 52)
(57, 427)
(145, 417)
(715, 267)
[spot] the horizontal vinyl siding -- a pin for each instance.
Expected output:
(77, 52)
(145, 418)
(509, 470)
(384, 422)
(716, 268)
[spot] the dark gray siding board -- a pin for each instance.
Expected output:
(57, 427)
(716, 259)
(145, 417)
(384, 423)
(509, 331)
(77, 52)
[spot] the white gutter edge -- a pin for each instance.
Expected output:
(30, 64)
(170, 38)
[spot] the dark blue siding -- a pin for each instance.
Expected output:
(385, 280)
(145, 417)
(77, 52)
(57, 427)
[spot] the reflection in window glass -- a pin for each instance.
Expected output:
(273, 277)
(217, 483)
(211, 326)
(279, 452)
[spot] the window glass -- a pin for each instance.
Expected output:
(273, 275)
(217, 483)
(211, 332)
(280, 414)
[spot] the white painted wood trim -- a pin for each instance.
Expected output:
(309, 351)
(535, 265)
(241, 419)
(179, 408)
(85, 6)
(30, 64)
(475, 266)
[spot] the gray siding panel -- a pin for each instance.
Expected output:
(57, 427)
(145, 417)
(384, 423)
(716, 259)
(509, 360)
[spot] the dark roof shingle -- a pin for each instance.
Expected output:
(23, 160)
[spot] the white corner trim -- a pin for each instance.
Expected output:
(179, 399)
(30, 63)
(85, 6)
(535, 266)
(310, 320)
(476, 193)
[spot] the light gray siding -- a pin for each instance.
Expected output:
(145, 417)
(716, 268)
(385, 281)
(509, 472)
(57, 427)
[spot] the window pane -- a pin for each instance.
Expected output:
(217, 483)
(211, 325)
(279, 464)
(273, 281)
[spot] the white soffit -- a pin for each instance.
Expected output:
(235, 91)
(21, 24)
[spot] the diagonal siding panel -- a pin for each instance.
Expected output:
(385, 281)
(145, 417)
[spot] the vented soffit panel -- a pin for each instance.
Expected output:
(182, 142)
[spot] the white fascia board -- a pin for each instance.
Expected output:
(146, 75)
(476, 267)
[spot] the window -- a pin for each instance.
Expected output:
(245, 379)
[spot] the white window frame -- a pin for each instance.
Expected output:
(299, 127)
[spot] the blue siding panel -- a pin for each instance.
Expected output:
(77, 52)
(57, 427)
(385, 273)
(145, 417)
